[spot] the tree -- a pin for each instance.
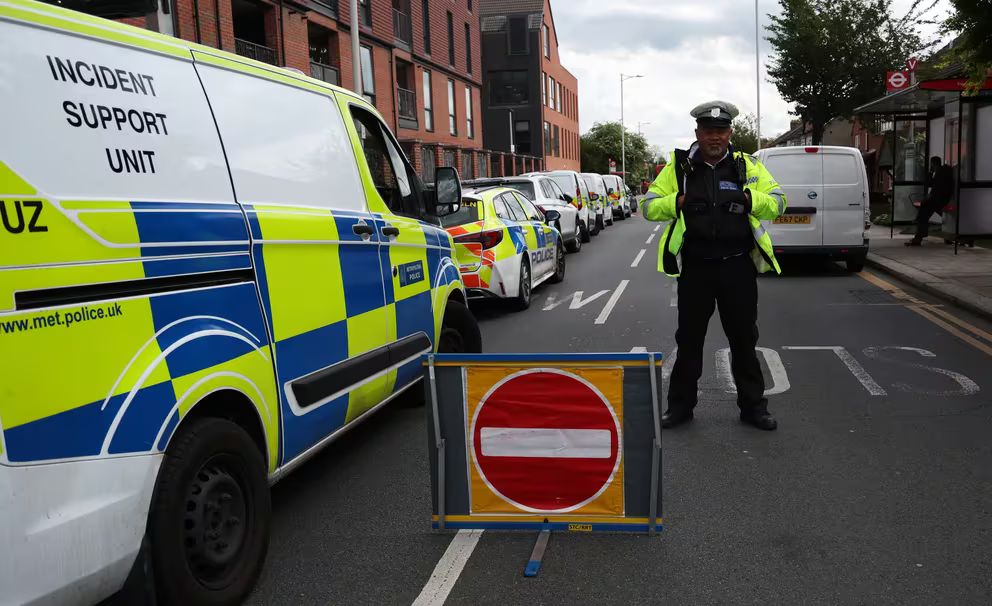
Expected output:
(602, 142)
(830, 56)
(973, 48)
(745, 137)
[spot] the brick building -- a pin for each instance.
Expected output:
(421, 64)
(526, 88)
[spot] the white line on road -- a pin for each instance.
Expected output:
(780, 379)
(637, 259)
(639, 349)
(675, 295)
(650, 239)
(668, 364)
(852, 364)
(656, 228)
(448, 568)
(612, 302)
(575, 302)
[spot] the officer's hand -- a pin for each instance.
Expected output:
(680, 201)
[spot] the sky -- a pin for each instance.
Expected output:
(688, 52)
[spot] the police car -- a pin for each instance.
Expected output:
(210, 268)
(504, 245)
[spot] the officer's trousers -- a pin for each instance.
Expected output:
(730, 284)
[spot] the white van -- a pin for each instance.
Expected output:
(827, 189)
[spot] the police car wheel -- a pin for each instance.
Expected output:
(459, 331)
(209, 519)
(522, 300)
(559, 265)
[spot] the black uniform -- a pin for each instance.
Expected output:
(717, 271)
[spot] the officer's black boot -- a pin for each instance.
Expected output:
(759, 417)
(674, 418)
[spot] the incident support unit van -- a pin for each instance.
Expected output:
(828, 214)
(209, 269)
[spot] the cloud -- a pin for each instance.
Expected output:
(688, 51)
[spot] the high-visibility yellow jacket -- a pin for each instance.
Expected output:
(767, 202)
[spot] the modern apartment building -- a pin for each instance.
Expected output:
(527, 93)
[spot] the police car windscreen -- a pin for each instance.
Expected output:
(524, 187)
(469, 212)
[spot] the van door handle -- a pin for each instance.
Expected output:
(389, 230)
(362, 229)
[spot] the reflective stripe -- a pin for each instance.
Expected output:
(779, 196)
(650, 196)
(759, 231)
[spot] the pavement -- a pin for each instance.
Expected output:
(964, 278)
(876, 489)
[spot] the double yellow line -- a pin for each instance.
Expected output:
(967, 332)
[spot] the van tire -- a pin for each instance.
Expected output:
(212, 477)
(855, 264)
(585, 237)
(459, 330)
(575, 245)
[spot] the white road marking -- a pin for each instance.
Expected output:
(575, 302)
(668, 364)
(603, 315)
(656, 228)
(780, 379)
(968, 387)
(650, 239)
(539, 442)
(448, 568)
(675, 295)
(852, 364)
(637, 259)
(639, 349)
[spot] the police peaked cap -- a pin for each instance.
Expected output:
(715, 113)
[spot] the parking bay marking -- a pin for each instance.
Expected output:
(448, 569)
(852, 364)
(577, 302)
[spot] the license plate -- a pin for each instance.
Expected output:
(793, 220)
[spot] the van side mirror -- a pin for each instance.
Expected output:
(567, 198)
(593, 196)
(609, 191)
(550, 216)
(448, 191)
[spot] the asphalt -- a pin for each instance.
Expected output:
(877, 488)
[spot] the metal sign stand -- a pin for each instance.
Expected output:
(438, 443)
(534, 565)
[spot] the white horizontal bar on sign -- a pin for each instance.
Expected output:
(547, 443)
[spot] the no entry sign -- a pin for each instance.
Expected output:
(546, 441)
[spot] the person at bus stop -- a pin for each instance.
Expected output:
(714, 199)
(941, 190)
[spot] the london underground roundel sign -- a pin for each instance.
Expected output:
(545, 440)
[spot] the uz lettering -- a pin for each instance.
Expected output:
(12, 215)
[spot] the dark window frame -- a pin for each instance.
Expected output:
(468, 48)
(426, 7)
(451, 38)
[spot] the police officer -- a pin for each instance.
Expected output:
(714, 199)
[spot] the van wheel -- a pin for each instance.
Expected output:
(209, 517)
(576, 244)
(559, 275)
(522, 300)
(585, 233)
(459, 331)
(855, 264)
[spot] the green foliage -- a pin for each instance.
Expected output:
(830, 56)
(973, 48)
(602, 142)
(745, 137)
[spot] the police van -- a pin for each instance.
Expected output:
(828, 213)
(210, 268)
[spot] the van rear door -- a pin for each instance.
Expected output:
(800, 173)
(844, 197)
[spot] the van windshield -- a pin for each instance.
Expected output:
(593, 184)
(566, 182)
(469, 212)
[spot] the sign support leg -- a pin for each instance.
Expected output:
(534, 565)
(438, 442)
(655, 447)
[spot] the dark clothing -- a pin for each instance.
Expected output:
(715, 211)
(731, 285)
(941, 191)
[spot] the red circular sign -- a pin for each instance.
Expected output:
(546, 441)
(898, 80)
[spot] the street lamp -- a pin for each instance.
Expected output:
(623, 138)
(757, 71)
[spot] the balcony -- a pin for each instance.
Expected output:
(403, 28)
(255, 51)
(408, 108)
(325, 72)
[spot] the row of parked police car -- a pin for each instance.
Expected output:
(511, 233)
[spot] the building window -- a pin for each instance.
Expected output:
(547, 138)
(427, 26)
(521, 136)
(365, 12)
(508, 88)
(428, 102)
(323, 59)
(555, 142)
(470, 6)
(468, 48)
(544, 90)
(469, 126)
(368, 80)
(451, 39)
(468, 167)
(558, 95)
(449, 157)
(551, 92)
(452, 124)
(517, 44)
(545, 40)
(428, 162)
